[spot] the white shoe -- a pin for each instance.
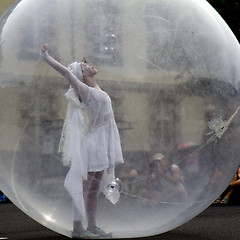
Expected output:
(98, 231)
(84, 234)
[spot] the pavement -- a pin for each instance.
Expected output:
(216, 222)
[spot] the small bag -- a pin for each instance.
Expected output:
(110, 187)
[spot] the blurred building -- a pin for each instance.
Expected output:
(157, 100)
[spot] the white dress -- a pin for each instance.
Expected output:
(92, 149)
(101, 144)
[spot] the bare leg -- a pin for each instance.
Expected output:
(93, 186)
(90, 190)
(227, 196)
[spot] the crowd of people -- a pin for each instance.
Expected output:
(160, 181)
(166, 182)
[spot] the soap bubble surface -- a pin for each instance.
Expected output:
(172, 70)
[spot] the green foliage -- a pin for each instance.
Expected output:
(230, 12)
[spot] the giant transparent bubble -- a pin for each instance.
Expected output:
(172, 70)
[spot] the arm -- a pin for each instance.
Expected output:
(80, 88)
(167, 176)
(163, 174)
(177, 175)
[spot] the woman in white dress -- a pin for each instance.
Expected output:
(91, 150)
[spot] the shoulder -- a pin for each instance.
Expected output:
(97, 94)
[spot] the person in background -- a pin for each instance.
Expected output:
(128, 175)
(223, 199)
(165, 183)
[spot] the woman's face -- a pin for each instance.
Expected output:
(164, 163)
(88, 69)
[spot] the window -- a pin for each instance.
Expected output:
(103, 31)
(163, 125)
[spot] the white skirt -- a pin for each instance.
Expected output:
(101, 148)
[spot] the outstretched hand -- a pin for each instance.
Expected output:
(45, 47)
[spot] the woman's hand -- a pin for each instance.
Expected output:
(45, 48)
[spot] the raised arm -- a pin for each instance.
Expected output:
(81, 89)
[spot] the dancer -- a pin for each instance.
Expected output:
(90, 149)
